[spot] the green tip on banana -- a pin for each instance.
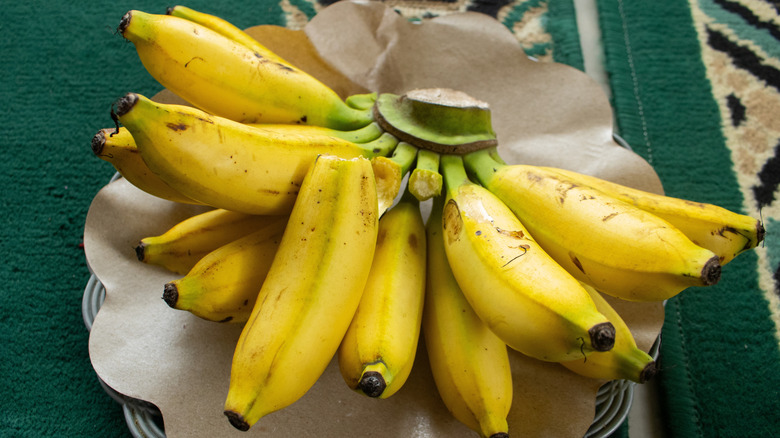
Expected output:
(372, 384)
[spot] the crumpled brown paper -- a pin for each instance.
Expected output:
(546, 114)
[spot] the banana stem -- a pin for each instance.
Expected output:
(381, 147)
(428, 160)
(404, 155)
(453, 171)
(361, 101)
(483, 164)
(425, 180)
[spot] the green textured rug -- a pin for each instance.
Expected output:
(693, 85)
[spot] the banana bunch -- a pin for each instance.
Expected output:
(314, 242)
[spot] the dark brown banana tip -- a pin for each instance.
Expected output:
(710, 273)
(237, 420)
(760, 232)
(125, 104)
(169, 10)
(124, 22)
(648, 372)
(139, 251)
(372, 384)
(98, 142)
(500, 435)
(171, 294)
(602, 336)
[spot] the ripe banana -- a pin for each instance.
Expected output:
(224, 284)
(311, 291)
(470, 364)
(117, 147)
(722, 231)
(425, 181)
(616, 247)
(624, 361)
(184, 244)
(224, 28)
(519, 291)
(229, 79)
(378, 350)
(227, 164)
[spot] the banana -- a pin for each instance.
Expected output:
(722, 231)
(117, 147)
(624, 361)
(614, 246)
(311, 292)
(390, 171)
(226, 164)
(224, 284)
(225, 77)
(425, 181)
(469, 363)
(520, 292)
(183, 245)
(363, 135)
(378, 350)
(224, 28)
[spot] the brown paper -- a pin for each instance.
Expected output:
(543, 114)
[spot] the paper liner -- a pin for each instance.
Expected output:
(543, 114)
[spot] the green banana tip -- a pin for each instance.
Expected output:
(237, 420)
(372, 384)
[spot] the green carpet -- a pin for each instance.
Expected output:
(691, 84)
(695, 87)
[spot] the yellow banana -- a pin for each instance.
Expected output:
(229, 79)
(378, 350)
(469, 363)
(722, 231)
(184, 244)
(425, 181)
(520, 292)
(227, 164)
(224, 284)
(311, 291)
(117, 147)
(224, 28)
(616, 247)
(624, 361)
